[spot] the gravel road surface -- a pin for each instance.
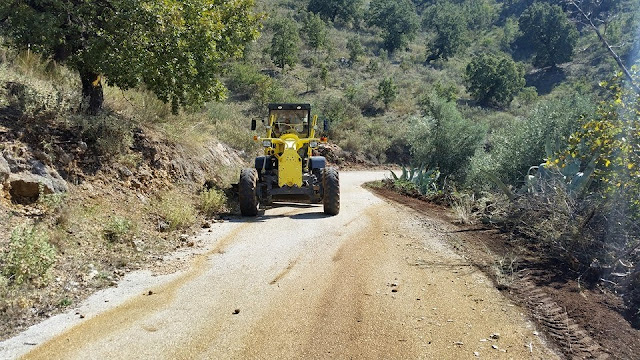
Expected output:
(376, 281)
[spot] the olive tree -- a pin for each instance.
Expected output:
(176, 48)
(397, 19)
(346, 10)
(449, 24)
(494, 79)
(550, 33)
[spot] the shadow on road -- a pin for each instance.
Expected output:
(292, 214)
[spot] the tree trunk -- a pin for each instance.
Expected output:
(92, 95)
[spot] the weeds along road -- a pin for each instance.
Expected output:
(375, 282)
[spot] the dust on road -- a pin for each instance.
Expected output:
(376, 281)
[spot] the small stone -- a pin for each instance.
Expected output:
(162, 226)
(495, 336)
(236, 312)
(483, 340)
(81, 316)
(190, 244)
(476, 354)
(206, 225)
(124, 171)
(494, 347)
(536, 333)
(184, 237)
(459, 343)
(394, 290)
(150, 292)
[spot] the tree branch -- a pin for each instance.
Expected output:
(606, 45)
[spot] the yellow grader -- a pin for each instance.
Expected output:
(287, 171)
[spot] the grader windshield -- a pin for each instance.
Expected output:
(290, 119)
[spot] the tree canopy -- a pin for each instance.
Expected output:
(449, 23)
(315, 31)
(285, 43)
(494, 80)
(397, 19)
(346, 10)
(176, 48)
(551, 35)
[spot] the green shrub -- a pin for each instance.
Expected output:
(443, 139)
(527, 142)
(28, 257)
(494, 80)
(213, 201)
(175, 208)
(117, 229)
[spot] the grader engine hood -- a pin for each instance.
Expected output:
(290, 162)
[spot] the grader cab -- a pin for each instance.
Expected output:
(287, 171)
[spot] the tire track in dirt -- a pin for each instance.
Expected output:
(572, 339)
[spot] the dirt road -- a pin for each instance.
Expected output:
(376, 281)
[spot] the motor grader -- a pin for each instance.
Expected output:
(288, 171)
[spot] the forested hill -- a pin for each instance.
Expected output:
(502, 79)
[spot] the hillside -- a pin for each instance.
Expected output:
(475, 94)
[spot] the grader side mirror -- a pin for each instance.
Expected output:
(253, 124)
(326, 125)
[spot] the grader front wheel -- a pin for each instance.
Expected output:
(331, 188)
(247, 192)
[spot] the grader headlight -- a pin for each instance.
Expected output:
(290, 144)
(266, 143)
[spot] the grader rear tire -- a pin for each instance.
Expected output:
(247, 192)
(331, 188)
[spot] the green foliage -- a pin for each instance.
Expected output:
(611, 137)
(177, 49)
(387, 91)
(337, 111)
(422, 179)
(245, 79)
(443, 139)
(213, 202)
(315, 31)
(345, 10)
(285, 43)
(528, 95)
(447, 91)
(494, 80)
(481, 14)
(117, 229)
(510, 32)
(449, 23)
(397, 19)
(356, 51)
(549, 32)
(29, 257)
(528, 141)
(24, 86)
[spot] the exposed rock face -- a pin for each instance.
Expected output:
(25, 187)
(4, 170)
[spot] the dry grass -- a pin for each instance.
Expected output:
(175, 209)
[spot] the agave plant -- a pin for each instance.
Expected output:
(424, 179)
